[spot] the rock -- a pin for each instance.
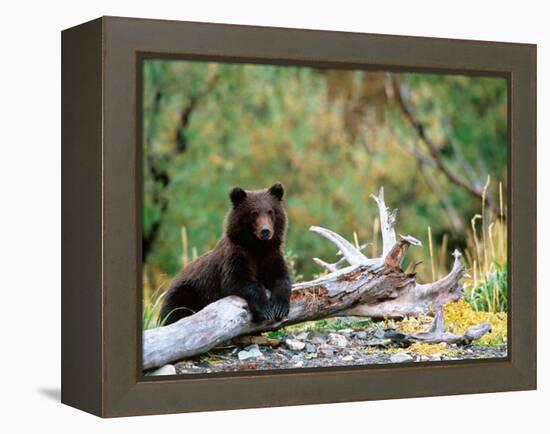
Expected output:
(317, 338)
(284, 352)
(310, 348)
(326, 351)
(423, 358)
(301, 336)
(244, 355)
(379, 333)
(346, 332)
(347, 358)
(338, 340)
(435, 357)
(251, 352)
(360, 335)
(295, 344)
(401, 358)
(165, 370)
(377, 342)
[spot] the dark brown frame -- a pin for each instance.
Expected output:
(101, 201)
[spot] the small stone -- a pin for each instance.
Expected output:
(379, 333)
(310, 348)
(360, 335)
(165, 370)
(346, 332)
(347, 358)
(377, 342)
(284, 352)
(401, 358)
(326, 351)
(338, 340)
(423, 358)
(435, 357)
(244, 355)
(252, 352)
(317, 338)
(301, 336)
(295, 344)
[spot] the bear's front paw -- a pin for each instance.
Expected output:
(280, 308)
(260, 314)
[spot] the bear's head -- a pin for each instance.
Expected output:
(257, 218)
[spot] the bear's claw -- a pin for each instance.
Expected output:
(280, 309)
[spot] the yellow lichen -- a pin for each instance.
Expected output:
(413, 325)
(460, 316)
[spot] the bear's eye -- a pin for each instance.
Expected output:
(255, 214)
(270, 212)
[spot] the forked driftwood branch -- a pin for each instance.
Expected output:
(437, 334)
(355, 285)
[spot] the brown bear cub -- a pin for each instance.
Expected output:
(247, 261)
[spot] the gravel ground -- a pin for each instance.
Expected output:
(345, 347)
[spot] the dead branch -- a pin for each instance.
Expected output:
(402, 94)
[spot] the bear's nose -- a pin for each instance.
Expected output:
(264, 232)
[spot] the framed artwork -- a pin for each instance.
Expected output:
(259, 216)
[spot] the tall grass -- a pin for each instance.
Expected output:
(154, 285)
(151, 308)
(487, 286)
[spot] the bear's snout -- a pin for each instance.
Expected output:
(265, 233)
(264, 228)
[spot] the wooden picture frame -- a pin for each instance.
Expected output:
(101, 200)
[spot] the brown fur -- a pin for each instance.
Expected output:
(245, 262)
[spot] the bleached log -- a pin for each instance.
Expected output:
(418, 298)
(330, 295)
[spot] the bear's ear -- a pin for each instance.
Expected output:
(237, 195)
(277, 190)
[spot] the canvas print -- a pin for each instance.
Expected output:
(298, 217)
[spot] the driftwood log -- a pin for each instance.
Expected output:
(355, 285)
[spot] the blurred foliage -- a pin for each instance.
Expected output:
(332, 137)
